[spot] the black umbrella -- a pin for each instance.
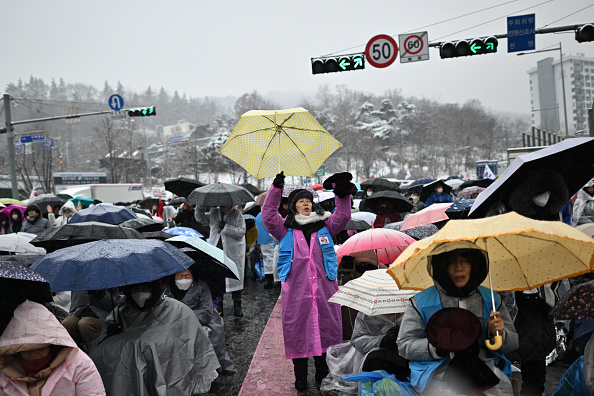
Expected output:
(476, 183)
(459, 209)
(251, 188)
(141, 212)
(147, 203)
(47, 199)
(430, 187)
(219, 194)
(401, 204)
(143, 224)
(572, 159)
(417, 185)
(182, 186)
(72, 234)
(380, 184)
(64, 196)
(161, 235)
(177, 201)
(357, 225)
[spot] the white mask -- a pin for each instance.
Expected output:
(369, 193)
(140, 298)
(183, 284)
(415, 197)
(439, 190)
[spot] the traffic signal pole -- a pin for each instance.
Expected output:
(10, 142)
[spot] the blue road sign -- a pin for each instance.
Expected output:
(38, 137)
(20, 149)
(116, 102)
(176, 139)
(520, 33)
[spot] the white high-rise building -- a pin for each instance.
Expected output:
(546, 94)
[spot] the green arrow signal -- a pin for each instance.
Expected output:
(490, 46)
(344, 64)
(358, 62)
(144, 111)
(475, 47)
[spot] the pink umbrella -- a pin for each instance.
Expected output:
(9, 208)
(431, 214)
(387, 244)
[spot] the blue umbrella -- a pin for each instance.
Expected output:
(109, 214)
(417, 185)
(110, 263)
(459, 209)
(185, 231)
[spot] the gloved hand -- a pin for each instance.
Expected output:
(389, 340)
(279, 180)
(221, 224)
(344, 188)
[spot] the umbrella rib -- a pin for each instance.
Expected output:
(249, 133)
(264, 153)
(296, 146)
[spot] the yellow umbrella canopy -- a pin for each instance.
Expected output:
(265, 142)
(523, 253)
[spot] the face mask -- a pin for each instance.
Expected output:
(439, 190)
(369, 193)
(140, 298)
(31, 219)
(183, 284)
(15, 216)
(415, 197)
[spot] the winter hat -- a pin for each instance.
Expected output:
(296, 195)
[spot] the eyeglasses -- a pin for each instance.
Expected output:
(462, 263)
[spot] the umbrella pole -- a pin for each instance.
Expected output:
(498, 338)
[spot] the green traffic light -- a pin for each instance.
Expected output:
(144, 111)
(475, 48)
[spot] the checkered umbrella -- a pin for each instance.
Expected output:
(265, 142)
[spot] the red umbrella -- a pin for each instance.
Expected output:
(387, 244)
(317, 187)
(431, 214)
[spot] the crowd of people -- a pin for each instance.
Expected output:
(167, 336)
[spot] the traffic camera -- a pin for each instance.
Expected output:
(338, 63)
(143, 112)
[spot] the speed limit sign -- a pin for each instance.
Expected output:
(413, 47)
(381, 51)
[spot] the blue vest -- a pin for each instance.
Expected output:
(429, 303)
(285, 254)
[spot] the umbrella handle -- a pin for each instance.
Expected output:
(495, 346)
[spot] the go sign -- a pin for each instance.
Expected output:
(381, 51)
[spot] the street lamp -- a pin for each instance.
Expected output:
(562, 80)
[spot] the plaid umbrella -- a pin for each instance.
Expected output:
(266, 142)
(373, 293)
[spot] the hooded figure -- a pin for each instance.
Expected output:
(153, 345)
(583, 208)
(307, 266)
(188, 288)
(38, 357)
(458, 269)
(227, 232)
(66, 212)
(4, 224)
(16, 220)
(438, 195)
(34, 223)
(386, 213)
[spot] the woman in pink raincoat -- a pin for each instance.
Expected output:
(38, 357)
(307, 266)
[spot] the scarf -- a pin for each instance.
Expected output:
(310, 224)
(32, 368)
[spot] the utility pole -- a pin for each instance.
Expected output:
(10, 142)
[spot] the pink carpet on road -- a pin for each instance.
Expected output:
(270, 372)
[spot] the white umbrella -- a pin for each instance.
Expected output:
(19, 243)
(373, 293)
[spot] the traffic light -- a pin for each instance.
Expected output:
(143, 112)
(338, 63)
(478, 46)
(585, 33)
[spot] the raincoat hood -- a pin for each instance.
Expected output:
(35, 208)
(437, 266)
(32, 327)
(588, 185)
(68, 205)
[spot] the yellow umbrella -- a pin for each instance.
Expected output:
(523, 253)
(265, 142)
(10, 201)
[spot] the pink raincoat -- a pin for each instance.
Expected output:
(72, 372)
(310, 323)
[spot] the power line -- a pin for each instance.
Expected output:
(591, 5)
(495, 19)
(433, 24)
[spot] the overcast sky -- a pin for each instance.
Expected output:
(220, 48)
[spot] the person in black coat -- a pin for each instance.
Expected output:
(185, 218)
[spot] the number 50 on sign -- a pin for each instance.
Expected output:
(381, 51)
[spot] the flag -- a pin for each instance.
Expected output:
(33, 193)
(488, 173)
(408, 175)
